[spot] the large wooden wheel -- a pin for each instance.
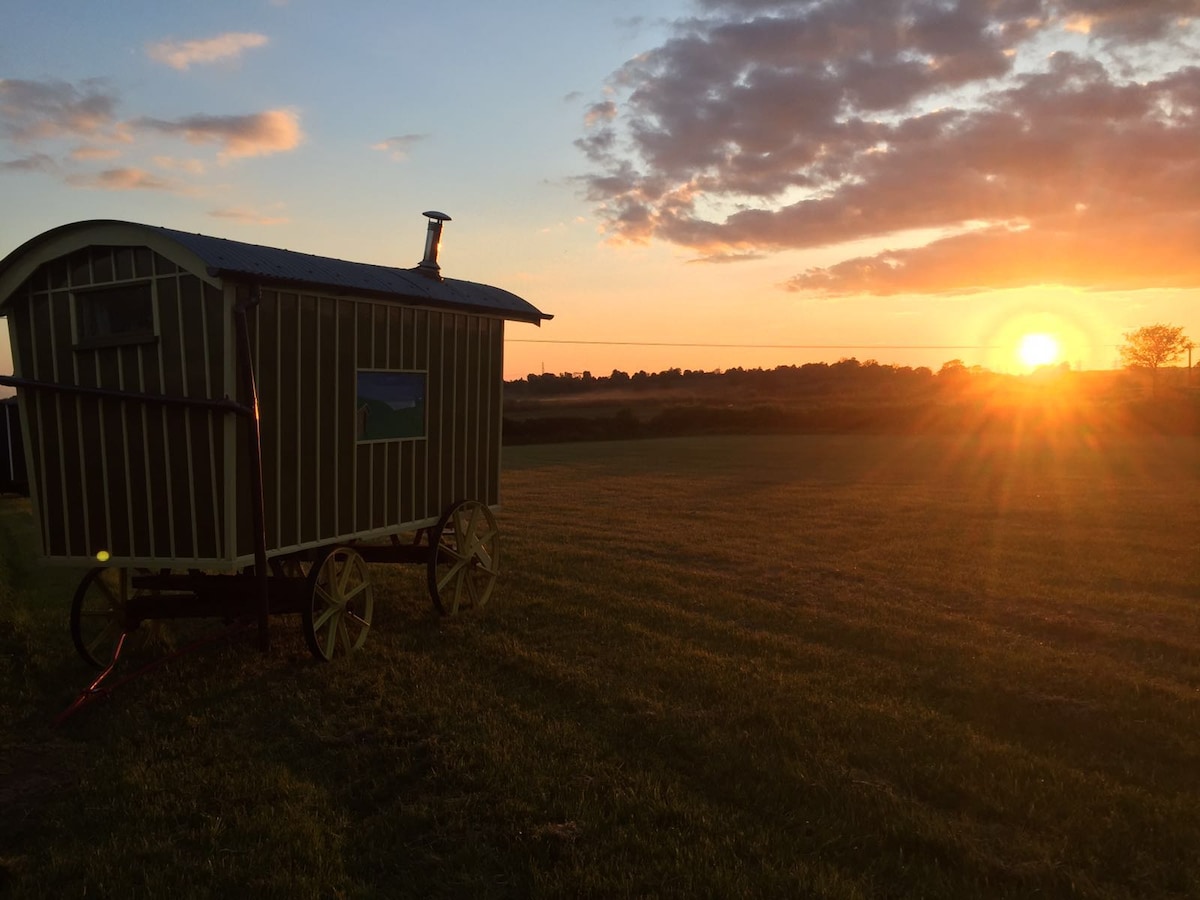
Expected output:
(337, 615)
(100, 613)
(464, 557)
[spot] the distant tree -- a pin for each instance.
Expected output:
(1152, 347)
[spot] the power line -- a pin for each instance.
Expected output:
(763, 346)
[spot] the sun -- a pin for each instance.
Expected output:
(1038, 349)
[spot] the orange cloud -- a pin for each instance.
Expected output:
(1150, 252)
(124, 179)
(1080, 23)
(183, 54)
(398, 147)
(597, 113)
(90, 152)
(257, 134)
(172, 164)
(253, 217)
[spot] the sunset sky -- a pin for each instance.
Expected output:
(701, 184)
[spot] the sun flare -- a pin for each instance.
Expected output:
(1038, 350)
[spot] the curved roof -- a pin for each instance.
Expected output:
(214, 258)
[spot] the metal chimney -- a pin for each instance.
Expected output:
(433, 237)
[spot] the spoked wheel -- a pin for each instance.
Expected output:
(100, 615)
(464, 557)
(337, 616)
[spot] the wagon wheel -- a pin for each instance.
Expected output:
(100, 614)
(341, 600)
(464, 557)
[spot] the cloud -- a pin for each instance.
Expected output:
(1122, 21)
(730, 258)
(256, 134)
(124, 179)
(87, 152)
(250, 216)
(38, 110)
(72, 131)
(183, 54)
(763, 125)
(1159, 252)
(598, 113)
(174, 164)
(37, 162)
(398, 147)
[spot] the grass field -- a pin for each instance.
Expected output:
(847, 667)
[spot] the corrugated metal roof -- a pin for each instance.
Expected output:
(223, 257)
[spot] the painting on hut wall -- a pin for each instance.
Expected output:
(390, 405)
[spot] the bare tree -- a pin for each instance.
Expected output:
(1153, 346)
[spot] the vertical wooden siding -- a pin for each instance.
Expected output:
(142, 482)
(321, 484)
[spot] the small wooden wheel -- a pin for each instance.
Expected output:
(341, 600)
(99, 613)
(464, 557)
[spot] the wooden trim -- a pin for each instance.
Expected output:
(154, 562)
(166, 432)
(189, 438)
(301, 496)
(500, 420)
(58, 427)
(421, 355)
(354, 455)
(275, 414)
(319, 433)
(455, 409)
(206, 314)
(34, 473)
(145, 419)
(229, 426)
(337, 418)
(366, 534)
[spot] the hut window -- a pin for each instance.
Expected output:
(390, 406)
(118, 315)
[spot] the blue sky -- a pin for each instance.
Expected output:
(909, 181)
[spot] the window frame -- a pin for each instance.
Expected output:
(87, 338)
(422, 375)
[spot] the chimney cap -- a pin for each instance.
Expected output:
(437, 216)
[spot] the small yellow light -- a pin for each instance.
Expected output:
(102, 556)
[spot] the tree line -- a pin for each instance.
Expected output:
(1149, 348)
(847, 375)
(852, 396)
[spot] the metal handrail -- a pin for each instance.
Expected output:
(224, 405)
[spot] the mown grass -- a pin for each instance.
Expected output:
(797, 666)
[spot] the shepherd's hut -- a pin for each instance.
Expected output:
(378, 393)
